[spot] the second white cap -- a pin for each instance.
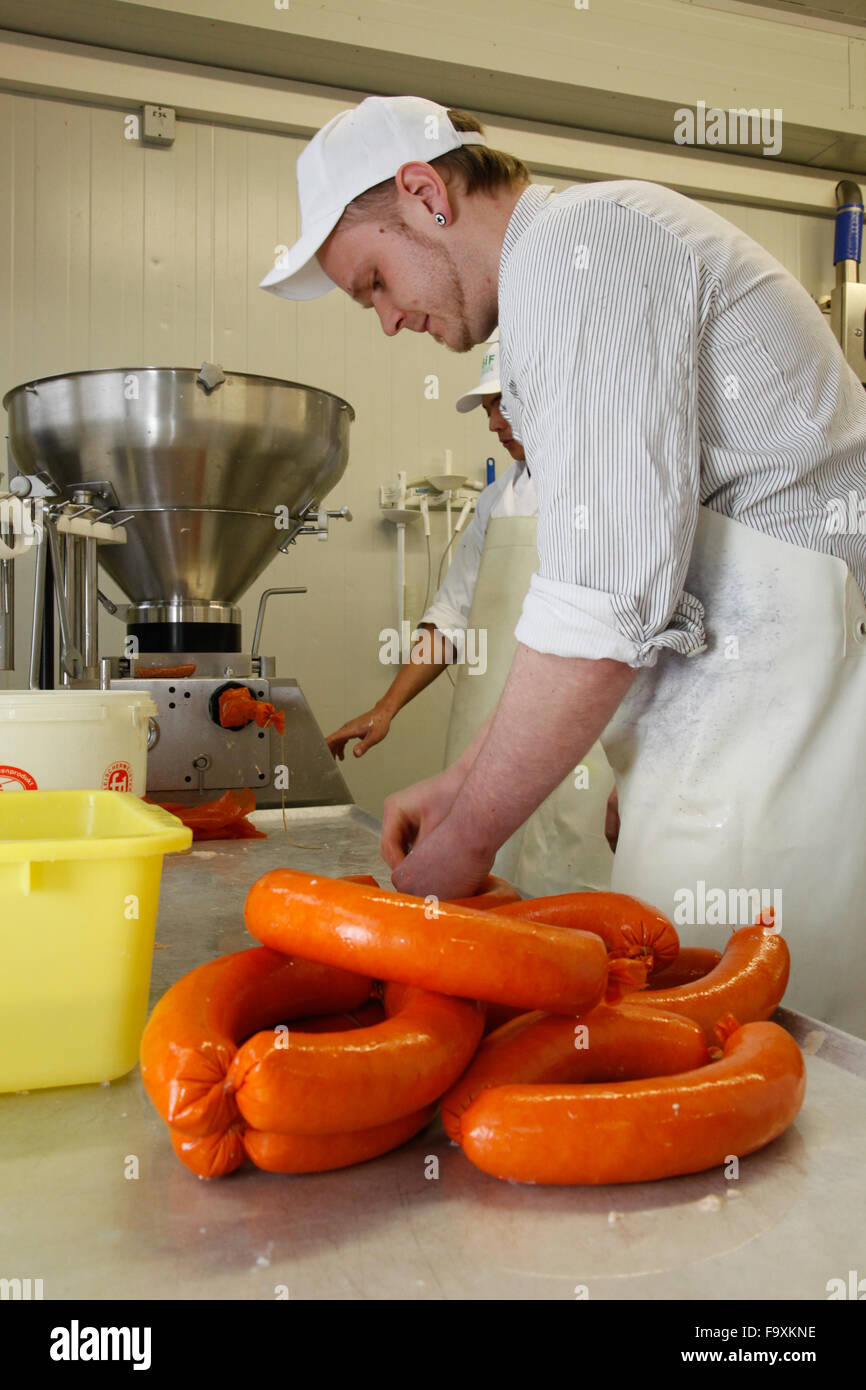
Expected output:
(489, 383)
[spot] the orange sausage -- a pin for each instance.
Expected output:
(450, 950)
(639, 1131)
(493, 893)
(692, 963)
(620, 1043)
(193, 1033)
(326, 1083)
(749, 981)
(624, 977)
(627, 926)
(210, 1155)
(154, 673)
(316, 1153)
(369, 1013)
(500, 1014)
(216, 1155)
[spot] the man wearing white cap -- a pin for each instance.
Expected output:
(562, 846)
(693, 431)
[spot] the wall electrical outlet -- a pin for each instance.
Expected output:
(157, 125)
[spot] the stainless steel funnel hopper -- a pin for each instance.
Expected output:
(201, 460)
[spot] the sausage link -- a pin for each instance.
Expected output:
(627, 926)
(624, 977)
(493, 894)
(692, 963)
(450, 950)
(368, 1014)
(216, 1155)
(195, 1028)
(317, 1153)
(639, 1131)
(210, 1155)
(325, 1083)
(748, 982)
(155, 673)
(608, 1044)
(500, 1014)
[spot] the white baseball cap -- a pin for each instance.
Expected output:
(489, 383)
(356, 150)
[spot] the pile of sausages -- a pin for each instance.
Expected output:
(567, 1039)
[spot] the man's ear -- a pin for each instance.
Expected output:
(423, 182)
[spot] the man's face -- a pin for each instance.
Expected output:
(412, 278)
(500, 426)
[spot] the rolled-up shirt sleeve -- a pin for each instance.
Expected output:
(599, 317)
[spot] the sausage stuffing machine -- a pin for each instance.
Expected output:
(184, 485)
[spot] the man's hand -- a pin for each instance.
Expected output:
(370, 728)
(411, 814)
(551, 711)
(409, 681)
(443, 863)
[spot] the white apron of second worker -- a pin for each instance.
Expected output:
(561, 848)
(721, 758)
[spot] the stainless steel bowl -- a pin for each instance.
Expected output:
(203, 471)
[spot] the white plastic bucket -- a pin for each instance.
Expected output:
(74, 739)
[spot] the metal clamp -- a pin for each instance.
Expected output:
(322, 517)
(294, 530)
(299, 526)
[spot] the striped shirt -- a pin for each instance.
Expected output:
(653, 359)
(511, 495)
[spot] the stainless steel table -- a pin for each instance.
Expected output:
(73, 1217)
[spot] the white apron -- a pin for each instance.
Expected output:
(561, 847)
(741, 771)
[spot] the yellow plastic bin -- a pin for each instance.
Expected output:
(79, 891)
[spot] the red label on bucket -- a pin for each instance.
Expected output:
(15, 779)
(117, 777)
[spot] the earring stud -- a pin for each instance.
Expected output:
(440, 218)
